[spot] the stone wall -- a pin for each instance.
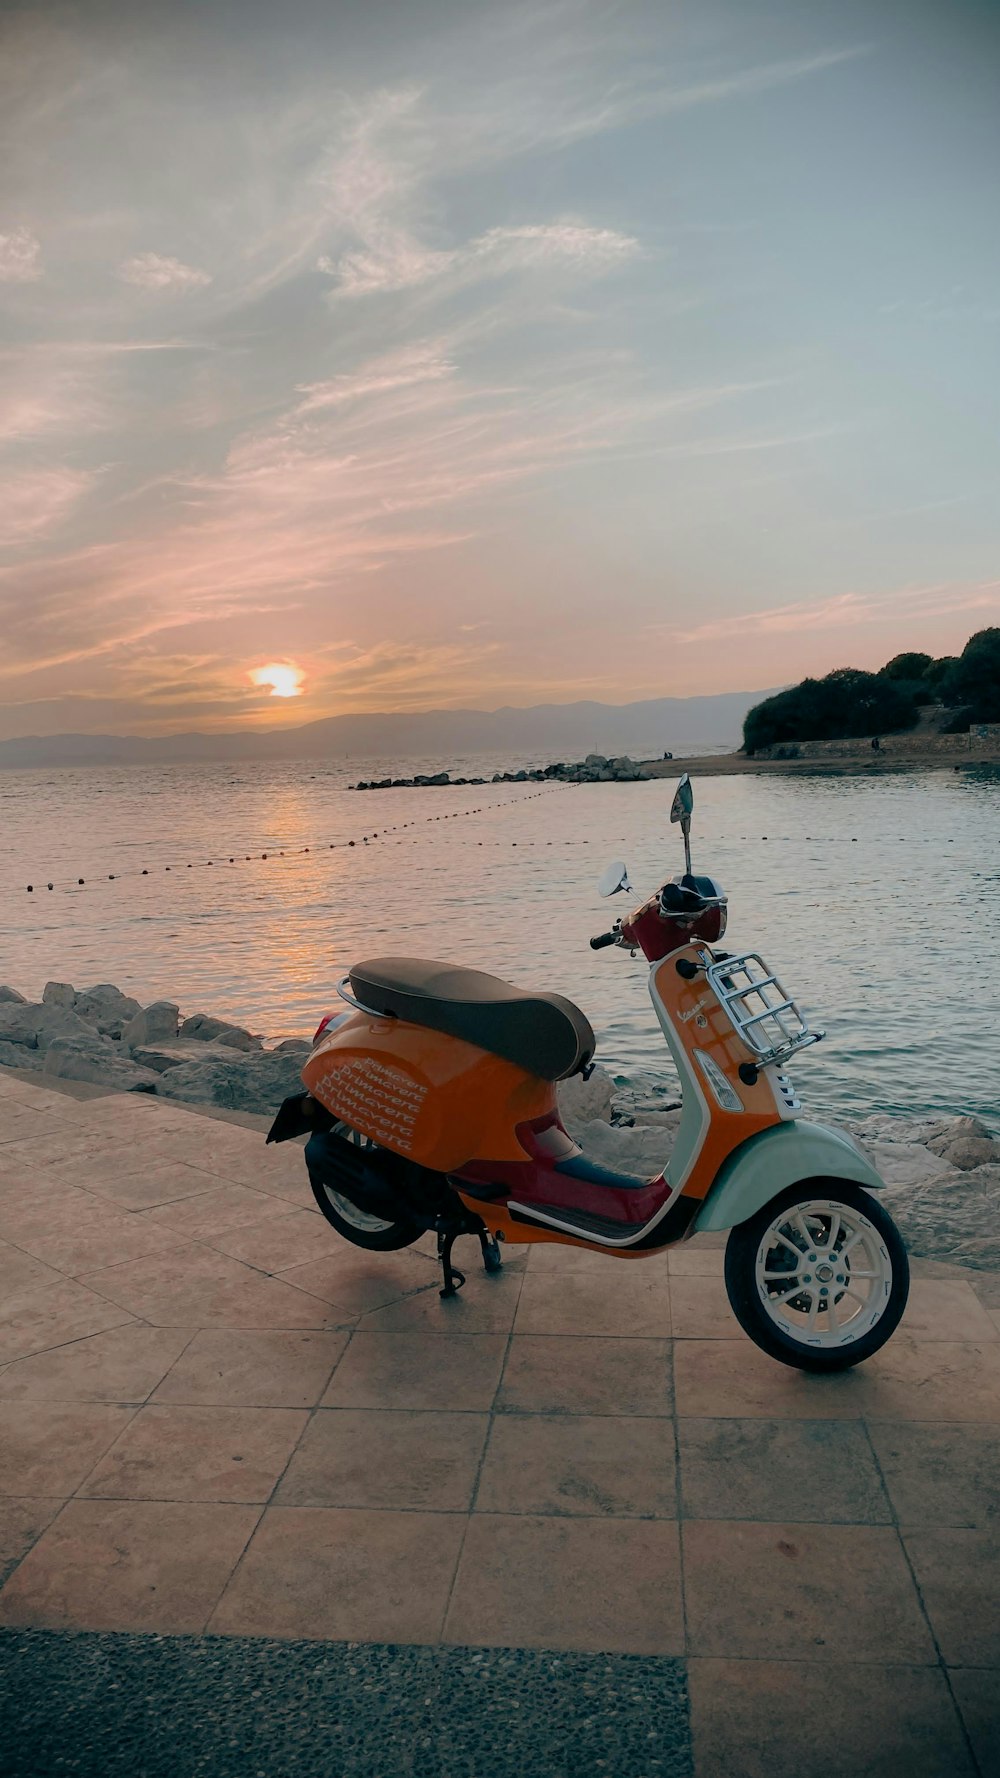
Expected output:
(983, 738)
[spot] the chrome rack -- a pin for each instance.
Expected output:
(761, 1012)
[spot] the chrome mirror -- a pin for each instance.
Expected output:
(680, 810)
(613, 880)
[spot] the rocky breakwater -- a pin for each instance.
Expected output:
(595, 769)
(106, 1038)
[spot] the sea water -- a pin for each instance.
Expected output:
(875, 898)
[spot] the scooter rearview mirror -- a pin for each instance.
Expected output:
(680, 810)
(613, 880)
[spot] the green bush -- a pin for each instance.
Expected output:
(847, 703)
(973, 681)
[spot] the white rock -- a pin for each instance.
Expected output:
(106, 1007)
(257, 1080)
(154, 1024)
(638, 1150)
(955, 1129)
(11, 997)
(36, 1026)
(17, 1055)
(161, 1057)
(581, 1100)
(59, 994)
(967, 1152)
(70, 1058)
(204, 1029)
(904, 1163)
(293, 1045)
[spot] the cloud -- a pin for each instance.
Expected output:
(421, 363)
(20, 257)
(400, 263)
(844, 611)
(152, 271)
(34, 502)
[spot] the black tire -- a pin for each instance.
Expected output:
(758, 1321)
(366, 1231)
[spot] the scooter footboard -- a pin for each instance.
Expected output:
(776, 1158)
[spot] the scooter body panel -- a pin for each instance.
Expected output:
(433, 1098)
(785, 1155)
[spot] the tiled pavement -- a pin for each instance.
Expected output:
(218, 1422)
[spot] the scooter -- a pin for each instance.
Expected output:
(430, 1105)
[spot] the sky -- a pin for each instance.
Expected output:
(441, 353)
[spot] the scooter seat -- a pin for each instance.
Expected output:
(543, 1033)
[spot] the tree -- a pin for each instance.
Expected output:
(973, 682)
(848, 702)
(907, 667)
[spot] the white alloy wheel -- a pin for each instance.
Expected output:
(350, 1213)
(823, 1273)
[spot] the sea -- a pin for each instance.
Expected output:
(249, 891)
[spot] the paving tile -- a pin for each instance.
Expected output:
(958, 1573)
(485, 1305)
(907, 1380)
(941, 1309)
(193, 1286)
(17, 1122)
(457, 1372)
(393, 1458)
(210, 1213)
(74, 1147)
(601, 1584)
(570, 1374)
(344, 1575)
(235, 1154)
(88, 1239)
(625, 1298)
(20, 1276)
(145, 1188)
(184, 1453)
(806, 1592)
(689, 1261)
(763, 1719)
(36, 1207)
(51, 1447)
(358, 1281)
(554, 1256)
(977, 1693)
(22, 1522)
(940, 1475)
(816, 1470)
(128, 1565)
(122, 1365)
(986, 1286)
(54, 1314)
(580, 1464)
(240, 1368)
(700, 1309)
(281, 1242)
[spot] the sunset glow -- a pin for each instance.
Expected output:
(284, 681)
(506, 355)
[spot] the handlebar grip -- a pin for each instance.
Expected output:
(602, 939)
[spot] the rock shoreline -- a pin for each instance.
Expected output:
(942, 1174)
(595, 769)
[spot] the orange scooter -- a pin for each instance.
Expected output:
(431, 1105)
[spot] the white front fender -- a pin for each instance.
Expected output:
(765, 1165)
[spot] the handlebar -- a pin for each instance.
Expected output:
(602, 939)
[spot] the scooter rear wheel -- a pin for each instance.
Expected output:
(356, 1225)
(819, 1277)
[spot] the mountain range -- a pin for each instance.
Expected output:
(645, 729)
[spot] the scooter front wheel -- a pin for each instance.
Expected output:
(819, 1277)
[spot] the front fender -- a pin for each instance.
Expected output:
(765, 1165)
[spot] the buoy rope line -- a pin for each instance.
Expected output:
(287, 852)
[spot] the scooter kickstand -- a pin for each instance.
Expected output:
(453, 1278)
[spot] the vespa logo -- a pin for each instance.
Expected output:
(696, 1013)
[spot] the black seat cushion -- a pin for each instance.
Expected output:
(543, 1033)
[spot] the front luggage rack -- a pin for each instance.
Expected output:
(762, 1013)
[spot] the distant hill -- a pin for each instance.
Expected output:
(644, 729)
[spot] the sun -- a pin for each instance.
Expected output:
(284, 680)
